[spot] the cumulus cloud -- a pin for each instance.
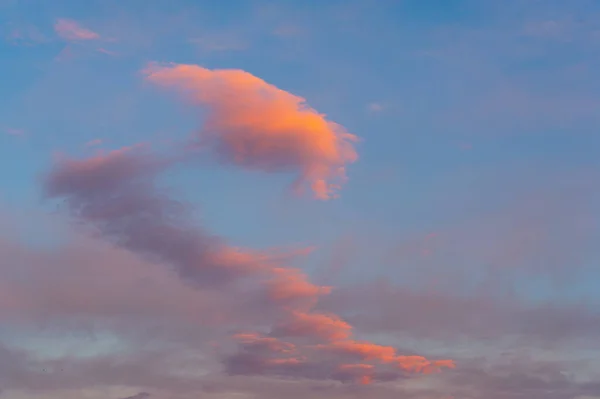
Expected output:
(254, 124)
(72, 31)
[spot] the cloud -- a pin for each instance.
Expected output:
(85, 284)
(14, 132)
(255, 125)
(375, 107)
(105, 51)
(115, 195)
(72, 31)
(290, 285)
(318, 325)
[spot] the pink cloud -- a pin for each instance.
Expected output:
(14, 132)
(256, 125)
(115, 194)
(322, 326)
(375, 107)
(72, 31)
(291, 285)
(105, 51)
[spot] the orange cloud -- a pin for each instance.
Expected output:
(256, 125)
(319, 325)
(71, 31)
(386, 354)
(291, 284)
(363, 349)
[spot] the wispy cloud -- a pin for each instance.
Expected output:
(71, 30)
(27, 35)
(14, 131)
(375, 107)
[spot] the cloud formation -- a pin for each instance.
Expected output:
(254, 124)
(72, 31)
(115, 194)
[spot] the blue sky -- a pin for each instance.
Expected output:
(476, 175)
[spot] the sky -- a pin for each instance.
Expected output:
(254, 199)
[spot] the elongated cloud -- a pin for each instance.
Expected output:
(256, 125)
(71, 31)
(115, 194)
(323, 326)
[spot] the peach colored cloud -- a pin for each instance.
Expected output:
(323, 326)
(368, 351)
(291, 285)
(72, 31)
(254, 124)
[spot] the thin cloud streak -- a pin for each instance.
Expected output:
(72, 31)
